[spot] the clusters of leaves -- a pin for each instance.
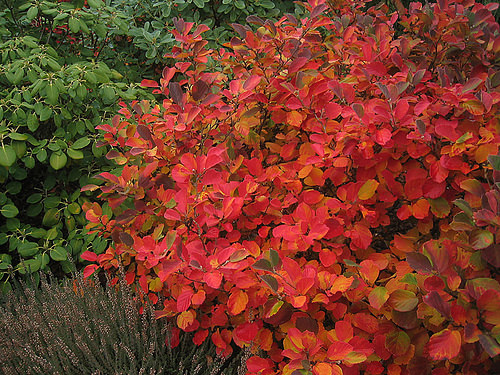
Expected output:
(64, 65)
(151, 21)
(326, 198)
(93, 330)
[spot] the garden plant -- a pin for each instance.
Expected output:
(326, 194)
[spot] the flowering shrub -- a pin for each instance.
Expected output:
(325, 196)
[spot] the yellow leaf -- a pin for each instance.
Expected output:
(185, 319)
(368, 189)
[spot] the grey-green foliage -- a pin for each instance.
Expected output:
(81, 328)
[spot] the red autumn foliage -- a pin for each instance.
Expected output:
(322, 193)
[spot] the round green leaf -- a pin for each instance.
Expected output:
(27, 249)
(7, 155)
(58, 160)
(59, 254)
(74, 208)
(9, 211)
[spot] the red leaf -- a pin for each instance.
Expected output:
(149, 83)
(444, 345)
(344, 330)
(246, 332)
(333, 110)
(338, 350)
(252, 82)
(184, 299)
(237, 302)
(419, 262)
(213, 279)
(297, 64)
(89, 255)
(403, 300)
(89, 270)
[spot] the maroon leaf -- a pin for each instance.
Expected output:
(200, 90)
(176, 92)
(433, 299)
(492, 255)
(144, 132)
(306, 323)
(255, 20)
(126, 238)
(419, 262)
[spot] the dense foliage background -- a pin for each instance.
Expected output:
(318, 183)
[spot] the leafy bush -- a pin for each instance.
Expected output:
(306, 200)
(80, 328)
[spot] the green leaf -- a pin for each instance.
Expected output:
(59, 254)
(108, 94)
(41, 155)
(74, 25)
(51, 217)
(74, 154)
(32, 13)
(34, 198)
(45, 114)
(275, 258)
(495, 162)
(200, 3)
(52, 93)
(80, 143)
(9, 211)
(58, 160)
(27, 249)
(32, 122)
(74, 208)
(18, 136)
(271, 281)
(263, 264)
(30, 265)
(7, 155)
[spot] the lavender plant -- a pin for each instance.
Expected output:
(77, 327)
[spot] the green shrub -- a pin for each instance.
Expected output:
(78, 327)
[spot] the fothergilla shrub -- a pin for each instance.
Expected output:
(321, 194)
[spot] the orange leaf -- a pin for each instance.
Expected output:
(341, 284)
(444, 345)
(323, 368)
(237, 301)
